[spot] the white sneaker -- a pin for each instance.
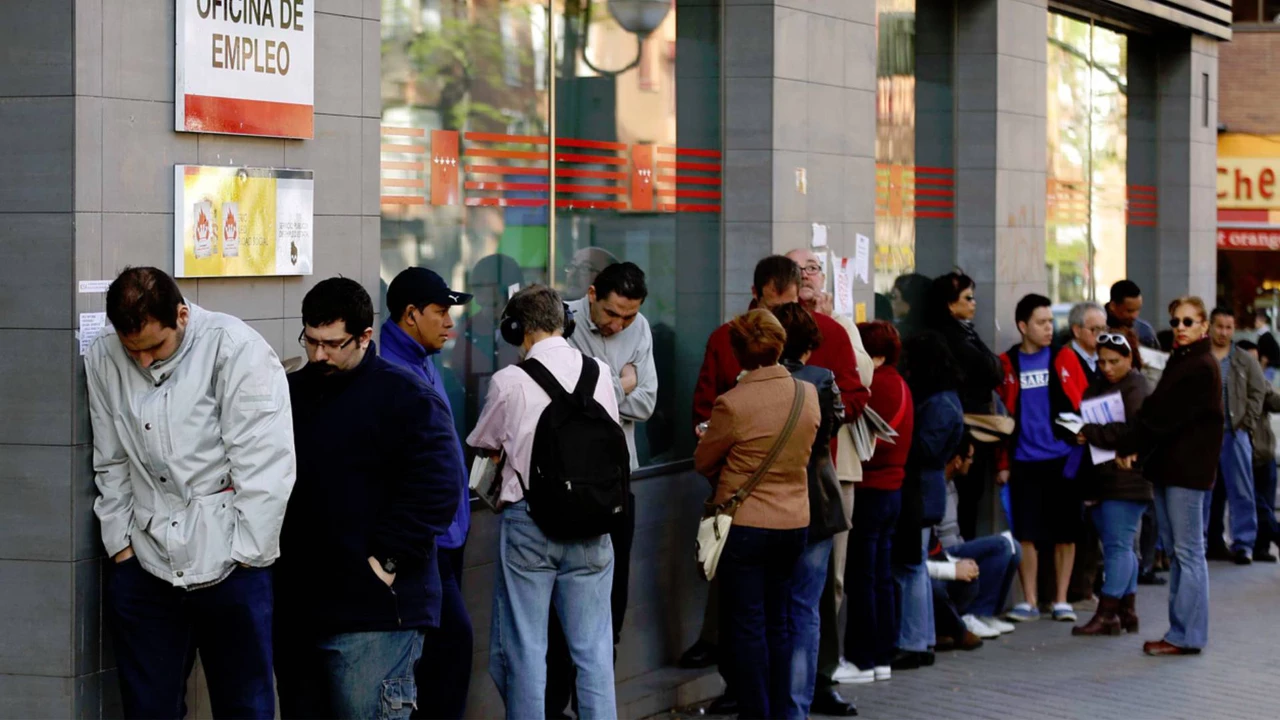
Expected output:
(998, 624)
(849, 674)
(979, 628)
(882, 672)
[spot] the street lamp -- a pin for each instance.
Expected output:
(639, 17)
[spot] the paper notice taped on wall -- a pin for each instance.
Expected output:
(91, 326)
(862, 259)
(819, 235)
(94, 286)
(842, 290)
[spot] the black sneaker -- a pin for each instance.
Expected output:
(1264, 557)
(1242, 557)
(1151, 578)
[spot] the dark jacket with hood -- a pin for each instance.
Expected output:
(1108, 481)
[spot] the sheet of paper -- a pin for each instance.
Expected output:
(1101, 411)
(91, 325)
(842, 291)
(94, 286)
(862, 258)
(512, 289)
(860, 313)
(819, 235)
(823, 261)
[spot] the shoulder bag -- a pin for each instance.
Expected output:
(713, 531)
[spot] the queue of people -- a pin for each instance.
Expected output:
(305, 532)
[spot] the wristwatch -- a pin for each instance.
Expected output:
(388, 565)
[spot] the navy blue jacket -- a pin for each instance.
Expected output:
(377, 476)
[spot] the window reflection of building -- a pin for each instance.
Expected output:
(1087, 195)
(895, 141)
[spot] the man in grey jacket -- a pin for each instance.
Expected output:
(1244, 388)
(194, 462)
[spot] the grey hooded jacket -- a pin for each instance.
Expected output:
(193, 457)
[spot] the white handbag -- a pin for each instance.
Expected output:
(717, 519)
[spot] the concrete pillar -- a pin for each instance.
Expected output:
(1187, 126)
(1142, 241)
(935, 124)
(1000, 155)
(799, 103)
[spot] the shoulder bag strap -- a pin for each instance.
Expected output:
(797, 403)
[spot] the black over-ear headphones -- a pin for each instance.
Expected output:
(512, 327)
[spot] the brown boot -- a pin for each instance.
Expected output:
(1128, 616)
(1105, 622)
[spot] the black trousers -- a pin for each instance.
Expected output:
(443, 675)
(562, 676)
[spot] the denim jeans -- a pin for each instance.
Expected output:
(157, 629)
(1264, 477)
(1180, 515)
(443, 675)
(532, 570)
(998, 561)
(348, 675)
(757, 580)
(1118, 522)
(1235, 473)
(805, 624)
(915, 603)
(869, 638)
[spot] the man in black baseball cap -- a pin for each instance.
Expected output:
(418, 326)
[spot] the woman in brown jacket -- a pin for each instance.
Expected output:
(769, 533)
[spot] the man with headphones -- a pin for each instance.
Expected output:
(535, 562)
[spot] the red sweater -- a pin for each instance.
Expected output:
(720, 370)
(891, 399)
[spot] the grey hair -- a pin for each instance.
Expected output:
(539, 309)
(1079, 310)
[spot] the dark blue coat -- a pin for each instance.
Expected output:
(377, 476)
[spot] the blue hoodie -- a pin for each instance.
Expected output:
(400, 349)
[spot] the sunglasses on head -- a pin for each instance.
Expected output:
(1114, 340)
(1186, 322)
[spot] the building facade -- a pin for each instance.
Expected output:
(1040, 147)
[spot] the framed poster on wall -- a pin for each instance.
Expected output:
(242, 222)
(245, 67)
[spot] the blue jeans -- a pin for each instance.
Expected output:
(443, 675)
(1180, 514)
(357, 674)
(1118, 522)
(998, 561)
(757, 579)
(1235, 472)
(915, 603)
(157, 629)
(1264, 477)
(869, 636)
(532, 569)
(804, 616)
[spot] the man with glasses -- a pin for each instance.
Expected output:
(194, 462)
(378, 468)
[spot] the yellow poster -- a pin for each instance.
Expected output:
(242, 222)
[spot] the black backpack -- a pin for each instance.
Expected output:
(580, 470)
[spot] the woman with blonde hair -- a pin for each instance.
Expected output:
(763, 428)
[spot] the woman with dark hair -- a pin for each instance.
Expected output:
(909, 296)
(933, 377)
(870, 636)
(827, 516)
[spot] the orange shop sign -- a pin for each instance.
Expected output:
(1245, 239)
(1249, 182)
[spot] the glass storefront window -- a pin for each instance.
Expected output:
(1087, 195)
(475, 93)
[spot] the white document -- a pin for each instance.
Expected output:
(862, 258)
(486, 480)
(94, 287)
(1102, 411)
(842, 288)
(91, 326)
(819, 235)
(1071, 422)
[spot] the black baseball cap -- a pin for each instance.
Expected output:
(419, 287)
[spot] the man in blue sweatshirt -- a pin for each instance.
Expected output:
(416, 330)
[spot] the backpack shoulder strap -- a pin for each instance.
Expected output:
(587, 379)
(541, 375)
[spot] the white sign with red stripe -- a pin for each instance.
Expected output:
(245, 67)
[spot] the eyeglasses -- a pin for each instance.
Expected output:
(811, 269)
(1186, 322)
(329, 345)
(1114, 339)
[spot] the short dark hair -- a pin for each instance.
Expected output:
(881, 339)
(1221, 311)
(929, 365)
(779, 271)
(1123, 290)
(539, 308)
(624, 279)
(338, 298)
(1028, 305)
(1262, 314)
(967, 443)
(803, 334)
(140, 295)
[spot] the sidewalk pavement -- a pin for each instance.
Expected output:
(1042, 672)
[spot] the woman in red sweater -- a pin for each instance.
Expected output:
(872, 627)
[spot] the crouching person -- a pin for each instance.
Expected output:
(553, 419)
(377, 484)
